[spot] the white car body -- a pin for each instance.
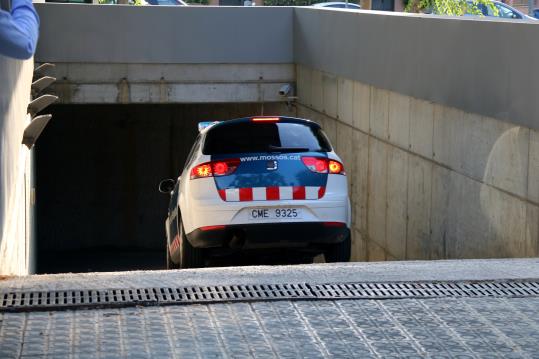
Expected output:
(291, 194)
(201, 205)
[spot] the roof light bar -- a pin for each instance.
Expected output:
(265, 119)
(203, 125)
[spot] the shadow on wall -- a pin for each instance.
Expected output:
(480, 205)
(510, 220)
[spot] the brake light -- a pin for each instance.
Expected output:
(215, 168)
(265, 119)
(220, 168)
(323, 165)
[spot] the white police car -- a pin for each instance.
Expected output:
(258, 183)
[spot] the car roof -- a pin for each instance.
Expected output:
(282, 119)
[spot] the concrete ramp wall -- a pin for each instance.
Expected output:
(427, 181)
(480, 66)
(438, 125)
(15, 169)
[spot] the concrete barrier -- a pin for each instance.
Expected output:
(427, 181)
(482, 66)
(165, 34)
(15, 169)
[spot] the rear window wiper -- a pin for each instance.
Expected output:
(272, 148)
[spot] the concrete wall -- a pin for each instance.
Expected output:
(427, 181)
(164, 34)
(482, 66)
(153, 54)
(93, 83)
(15, 169)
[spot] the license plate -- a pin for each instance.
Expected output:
(275, 213)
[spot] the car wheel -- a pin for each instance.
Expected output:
(191, 257)
(339, 252)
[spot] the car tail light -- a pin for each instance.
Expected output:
(316, 164)
(200, 171)
(212, 228)
(334, 224)
(215, 168)
(335, 167)
(323, 165)
(220, 168)
(265, 119)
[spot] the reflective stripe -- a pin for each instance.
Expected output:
(321, 192)
(246, 194)
(298, 192)
(286, 192)
(175, 244)
(222, 194)
(259, 194)
(311, 192)
(232, 194)
(271, 193)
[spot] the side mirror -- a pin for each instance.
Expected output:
(167, 185)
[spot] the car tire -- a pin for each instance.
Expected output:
(191, 257)
(339, 252)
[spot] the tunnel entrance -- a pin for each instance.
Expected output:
(97, 172)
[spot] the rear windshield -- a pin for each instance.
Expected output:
(249, 137)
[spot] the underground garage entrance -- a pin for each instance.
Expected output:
(97, 173)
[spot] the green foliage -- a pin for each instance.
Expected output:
(198, 2)
(296, 2)
(449, 7)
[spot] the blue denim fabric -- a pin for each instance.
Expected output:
(19, 30)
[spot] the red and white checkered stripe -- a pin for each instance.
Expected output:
(271, 193)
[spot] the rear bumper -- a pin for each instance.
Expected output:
(202, 206)
(269, 235)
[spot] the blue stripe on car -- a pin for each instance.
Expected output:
(253, 172)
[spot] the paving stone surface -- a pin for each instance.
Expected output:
(405, 328)
(399, 271)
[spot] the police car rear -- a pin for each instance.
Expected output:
(263, 183)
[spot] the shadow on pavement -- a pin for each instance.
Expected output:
(113, 260)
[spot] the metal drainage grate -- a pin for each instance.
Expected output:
(69, 299)
(66, 299)
(426, 290)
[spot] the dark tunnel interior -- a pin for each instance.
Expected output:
(97, 173)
